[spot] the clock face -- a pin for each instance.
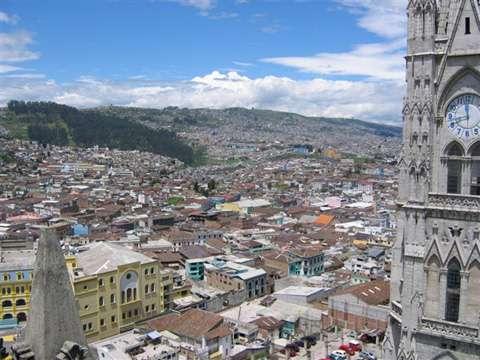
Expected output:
(463, 116)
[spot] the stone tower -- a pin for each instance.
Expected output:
(435, 309)
(53, 328)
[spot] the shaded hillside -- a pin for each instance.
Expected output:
(51, 123)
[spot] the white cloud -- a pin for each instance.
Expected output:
(199, 4)
(385, 18)
(242, 63)
(7, 68)
(13, 47)
(8, 19)
(369, 100)
(377, 61)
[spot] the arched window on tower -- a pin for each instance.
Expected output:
(454, 169)
(475, 170)
(452, 304)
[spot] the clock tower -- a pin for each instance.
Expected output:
(435, 286)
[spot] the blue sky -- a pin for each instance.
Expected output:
(316, 57)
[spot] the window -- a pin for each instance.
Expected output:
(112, 280)
(153, 307)
(146, 289)
(100, 301)
(467, 26)
(452, 305)
(112, 299)
(89, 326)
(146, 271)
(475, 170)
(152, 271)
(147, 308)
(84, 327)
(102, 322)
(113, 319)
(152, 288)
(135, 312)
(100, 282)
(124, 316)
(454, 169)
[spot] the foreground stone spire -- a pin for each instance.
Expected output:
(54, 324)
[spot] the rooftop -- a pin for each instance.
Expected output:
(105, 256)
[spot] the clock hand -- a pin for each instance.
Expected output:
(460, 118)
(467, 111)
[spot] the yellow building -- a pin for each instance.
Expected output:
(15, 284)
(115, 288)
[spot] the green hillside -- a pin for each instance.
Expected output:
(51, 123)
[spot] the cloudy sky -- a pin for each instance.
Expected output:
(338, 58)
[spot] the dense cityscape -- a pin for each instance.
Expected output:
(135, 225)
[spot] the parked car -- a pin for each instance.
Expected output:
(347, 349)
(299, 343)
(367, 338)
(371, 337)
(355, 345)
(338, 355)
(365, 355)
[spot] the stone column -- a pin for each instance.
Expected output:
(441, 185)
(443, 293)
(466, 176)
(463, 316)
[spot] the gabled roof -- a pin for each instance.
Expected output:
(373, 293)
(194, 324)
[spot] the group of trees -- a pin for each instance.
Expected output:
(211, 187)
(57, 124)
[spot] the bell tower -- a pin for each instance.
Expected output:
(435, 284)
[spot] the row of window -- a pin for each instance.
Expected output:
(129, 295)
(150, 308)
(455, 166)
(19, 276)
(150, 271)
(101, 282)
(101, 301)
(9, 303)
(18, 290)
(150, 288)
(128, 314)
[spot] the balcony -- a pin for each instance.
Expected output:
(449, 329)
(455, 202)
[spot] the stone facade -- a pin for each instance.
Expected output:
(435, 292)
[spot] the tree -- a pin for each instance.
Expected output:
(212, 185)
